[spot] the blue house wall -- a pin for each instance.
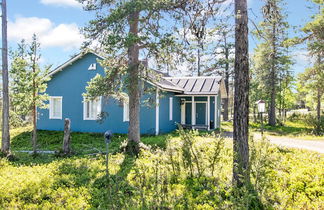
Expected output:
(70, 84)
(165, 124)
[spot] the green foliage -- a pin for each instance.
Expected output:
(317, 125)
(190, 171)
(272, 79)
(15, 120)
(27, 78)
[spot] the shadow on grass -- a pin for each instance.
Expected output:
(114, 191)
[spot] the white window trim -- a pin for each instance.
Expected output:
(171, 108)
(126, 110)
(51, 108)
(84, 110)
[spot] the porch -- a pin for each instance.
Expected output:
(200, 112)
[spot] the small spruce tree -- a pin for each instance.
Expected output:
(29, 82)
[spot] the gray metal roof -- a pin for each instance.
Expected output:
(197, 85)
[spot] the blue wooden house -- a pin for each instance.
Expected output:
(194, 102)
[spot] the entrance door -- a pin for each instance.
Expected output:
(200, 113)
(188, 113)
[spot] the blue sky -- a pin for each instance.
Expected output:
(57, 24)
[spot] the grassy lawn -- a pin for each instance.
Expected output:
(298, 130)
(187, 171)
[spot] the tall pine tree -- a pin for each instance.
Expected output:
(270, 57)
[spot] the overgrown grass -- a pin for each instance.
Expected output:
(82, 143)
(186, 171)
(295, 129)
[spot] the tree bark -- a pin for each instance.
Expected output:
(67, 137)
(5, 147)
(34, 111)
(133, 88)
(272, 107)
(226, 80)
(198, 62)
(241, 97)
(34, 135)
(318, 110)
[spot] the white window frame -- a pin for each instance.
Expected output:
(85, 109)
(51, 108)
(126, 110)
(171, 108)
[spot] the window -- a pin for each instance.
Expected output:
(92, 67)
(91, 109)
(55, 111)
(170, 108)
(126, 110)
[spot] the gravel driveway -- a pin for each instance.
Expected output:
(317, 146)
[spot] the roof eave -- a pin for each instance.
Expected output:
(72, 60)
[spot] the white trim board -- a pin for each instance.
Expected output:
(157, 112)
(194, 95)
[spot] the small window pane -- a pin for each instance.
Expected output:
(56, 107)
(92, 109)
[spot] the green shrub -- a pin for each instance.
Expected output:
(190, 171)
(317, 125)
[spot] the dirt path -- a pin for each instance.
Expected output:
(317, 146)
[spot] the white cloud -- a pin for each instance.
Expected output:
(302, 57)
(67, 36)
(62, 3)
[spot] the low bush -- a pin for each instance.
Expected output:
(317, 125)
(188, 171)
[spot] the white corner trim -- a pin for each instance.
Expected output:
(215, 113)
(208, 113)
(193, 111)
(51, 108)
(157, 112)
(171, 108)
(183, 113)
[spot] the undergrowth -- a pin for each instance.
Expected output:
(186, 170)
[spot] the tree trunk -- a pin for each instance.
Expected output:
(254, 114)
(67, 137)
(225, 115)
(272, 107)
(318, 110)
(5, 147)
(198, 62)
(34, 135)
(133, 88)
(241, 96)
